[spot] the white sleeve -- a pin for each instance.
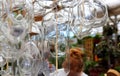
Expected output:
(83, 74)
(52, 74)
(59, 72)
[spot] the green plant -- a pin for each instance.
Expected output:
(60, 61)
(88, 65)
(102, 74)
(117, 68)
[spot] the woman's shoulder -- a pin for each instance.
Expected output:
(59, 72)
(83, 74)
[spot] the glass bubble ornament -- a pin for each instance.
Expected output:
(79, 29)
(101, 13)
(17, 19)
(46, 4)
(70, 3)
(29, 61)
(55, 20)
(3, 61)
(87, 13)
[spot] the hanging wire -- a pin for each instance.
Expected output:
(56, 43)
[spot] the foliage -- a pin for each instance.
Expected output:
(102, 74)
(109, 30)
(117, 68)
(97, 36)
(87, 37)
(60, 61)
(79, 41)
(88, 65)
(62, 47)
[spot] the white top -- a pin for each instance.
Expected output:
(61, 72)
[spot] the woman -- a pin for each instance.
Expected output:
(73, 64)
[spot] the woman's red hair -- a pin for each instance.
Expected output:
(74, 61)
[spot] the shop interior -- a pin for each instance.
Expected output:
(32, 31)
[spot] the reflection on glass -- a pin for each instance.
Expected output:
(25, 63)
(17, 19)
(2, 63)
(87, 13)
(101, 13)
(29, 61)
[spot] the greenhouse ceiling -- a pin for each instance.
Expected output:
(113, 7)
